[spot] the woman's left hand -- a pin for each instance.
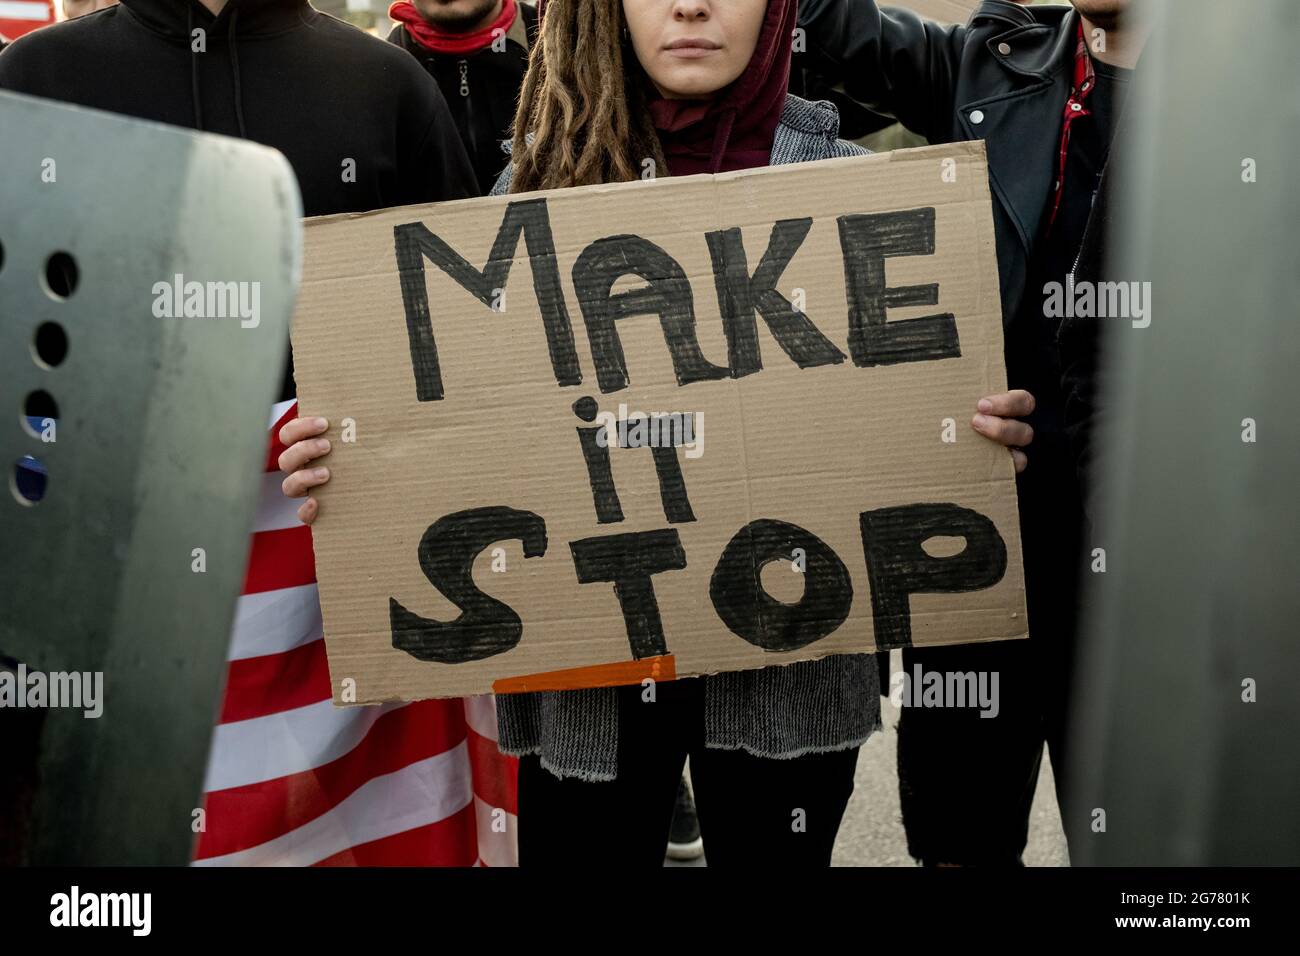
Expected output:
(996, 420)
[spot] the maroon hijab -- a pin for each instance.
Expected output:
(734, 130)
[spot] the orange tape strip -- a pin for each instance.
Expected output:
(597, 675)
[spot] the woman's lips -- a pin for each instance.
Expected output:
(691, 49)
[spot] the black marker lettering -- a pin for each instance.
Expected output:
(668, 295)
(672, 485)
(629, 560)
(897, 565)
(866, 242)
(740, 295)
(751, 613)
(413, 242)
(486, 626)
(603, 493)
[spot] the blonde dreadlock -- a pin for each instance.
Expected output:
(582, 104)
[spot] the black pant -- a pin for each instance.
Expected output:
(966, 782)
(753, 811)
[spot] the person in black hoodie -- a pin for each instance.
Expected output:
(477, 50)
(361, 124)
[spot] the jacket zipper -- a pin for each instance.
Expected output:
(1092, 208)
(469, 108)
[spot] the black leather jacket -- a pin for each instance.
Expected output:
(1004, 77)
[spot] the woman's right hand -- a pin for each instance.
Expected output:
(301, 448)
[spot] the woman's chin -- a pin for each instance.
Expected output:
(690, 87)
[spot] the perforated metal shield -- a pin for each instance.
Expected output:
(150, 428)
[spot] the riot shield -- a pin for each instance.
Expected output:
(147, 276)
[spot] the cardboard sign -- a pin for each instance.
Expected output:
(660, 428)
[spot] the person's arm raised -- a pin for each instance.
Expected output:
(891, 61)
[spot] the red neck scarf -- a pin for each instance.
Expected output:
(440, 41)
(735, 129)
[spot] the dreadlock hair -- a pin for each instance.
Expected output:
(582, 115)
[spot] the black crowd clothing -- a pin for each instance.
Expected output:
(361, 124)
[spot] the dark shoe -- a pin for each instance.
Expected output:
(684, 841)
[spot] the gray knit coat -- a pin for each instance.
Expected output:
(780, 711)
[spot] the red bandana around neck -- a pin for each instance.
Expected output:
(1085, 78)
(440, 41)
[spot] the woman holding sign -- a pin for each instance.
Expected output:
(618, 90)
(626, 89)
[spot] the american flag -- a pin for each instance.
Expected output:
(294, 781)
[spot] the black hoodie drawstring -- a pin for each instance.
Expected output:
(234, 69)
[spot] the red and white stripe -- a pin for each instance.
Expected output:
(19, 17)
(295, 781)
